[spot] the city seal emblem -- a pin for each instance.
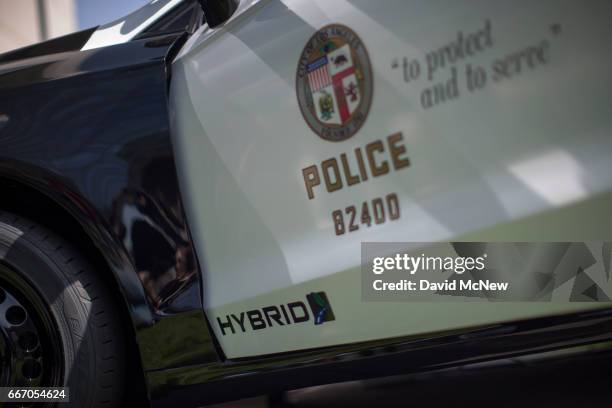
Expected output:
(334, 83)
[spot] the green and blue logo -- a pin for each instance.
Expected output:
(320, 307)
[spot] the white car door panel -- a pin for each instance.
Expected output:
(531, 138)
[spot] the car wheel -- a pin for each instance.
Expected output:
(59, 321)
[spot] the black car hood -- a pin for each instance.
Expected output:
(70, 42)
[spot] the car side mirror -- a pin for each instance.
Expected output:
(218, 12)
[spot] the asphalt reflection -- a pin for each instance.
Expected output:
(568, 383)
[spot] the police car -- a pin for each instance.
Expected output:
(185, 191)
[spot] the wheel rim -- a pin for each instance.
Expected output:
(29, 341)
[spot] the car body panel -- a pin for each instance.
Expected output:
(476, 162)
(506, 343)
(89, 131)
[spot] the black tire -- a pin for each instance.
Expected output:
(84, 343)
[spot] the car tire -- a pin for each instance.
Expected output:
(71, 333)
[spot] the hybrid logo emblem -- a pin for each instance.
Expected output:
(334, 83)
(319, 311)
(320, 307)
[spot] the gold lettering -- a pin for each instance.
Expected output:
(376, 159)
(361, 164)
(311, 179)
(397, 150)
(376, 170)
(350, 179)
(325, 167)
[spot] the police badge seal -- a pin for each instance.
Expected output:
(334, 83)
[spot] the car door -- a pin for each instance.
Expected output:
(304, 128)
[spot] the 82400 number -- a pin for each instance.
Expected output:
(376, 211)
